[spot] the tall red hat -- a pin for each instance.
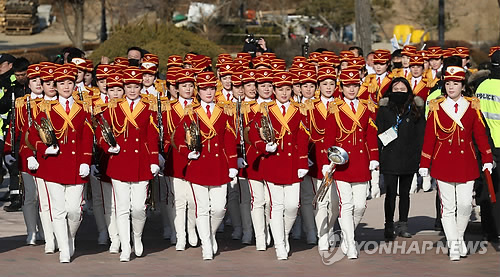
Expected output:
(206, 79)
(132, 75)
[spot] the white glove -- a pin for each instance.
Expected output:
(93, 170)
(154, 169)
(242, 163)
(373, 165)
(302, 172)
(193, 155)
(32, 163)
(233, 172)
(424, 172)
(52, 150)
(309, 162)
(9, 159)
(84, 170)
(325, 169)
(488, 166)
(114, 150)
(271, 147)
(161, 161)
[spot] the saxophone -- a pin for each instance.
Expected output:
(266, 129)
(193, 135)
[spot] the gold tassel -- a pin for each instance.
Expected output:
(434, 104)
(475, 104)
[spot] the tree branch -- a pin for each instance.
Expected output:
(60, 5)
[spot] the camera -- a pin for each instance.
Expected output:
(251, 45)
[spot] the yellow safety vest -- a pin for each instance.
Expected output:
(435, 94)
(488, 93)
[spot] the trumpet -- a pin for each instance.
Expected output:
(106, 130)
(336, 156)
(193, 135)
(266, 129)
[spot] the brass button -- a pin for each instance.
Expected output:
(125, 140)
(289, 154)
(61, 142)
(360, 130)
(73, 130)
(360, 140)
(348, 141)
(289, 144)
(215, 144)
(203, 156)
(322, 140)
(449, 152)
(257, 152)
(360, 151)
(449, 140)
(72, 141)
(216, 155)
(289, 133)
(461, 140)
(73, 152)
(461, 151)
(124, 150)
(277, 154)
(136, 139)
(348, 152)
(137, 128)
(136, 151)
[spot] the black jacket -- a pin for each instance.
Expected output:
(402, 155)
(9, 86)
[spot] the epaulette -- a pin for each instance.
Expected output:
(264, 107)
(301, 106)
(113, 103)
(246, 106)
(397, 72)
(333, 107)
(189, 109)
(434, 104)
(99, 108)
(86, 104)
(46, 105)
(20, 101)
(152, 103)
(228, 107)
(474, 101)
(371, 83)
(369, 104)
(166, 104)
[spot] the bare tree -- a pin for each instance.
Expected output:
(363, 24)
(75, 35)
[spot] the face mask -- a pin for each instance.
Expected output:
(397, 65)
(133, 62)
(399, 98)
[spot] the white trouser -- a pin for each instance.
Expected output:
(130, 199)
(45, 213)
(456, 207)
(284, 206)
(307, 193)
(66, 209)
(183, 196)
(166, 202)
(30, 204)
(245, 205)
(352, 205)
(210, 210)
(105, 206)
(322, 215)
(98, 204)
(260, 209)
(233, 203)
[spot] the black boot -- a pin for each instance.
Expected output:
(437, 225)
(402, 229)
(15, 204)
(389, 231)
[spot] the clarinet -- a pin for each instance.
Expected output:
(241, 130)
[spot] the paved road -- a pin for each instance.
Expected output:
(161, 259)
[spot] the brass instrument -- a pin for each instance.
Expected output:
(106, 130)
(46, 132)
(193, 135)
(160, 121)
(241, 130)
(266, 129)
(336, 156)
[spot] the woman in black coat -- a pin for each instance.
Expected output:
(401, 128)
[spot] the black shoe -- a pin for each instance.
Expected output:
(389, 231)
(15, 204)
(402, 229)
(438, 226)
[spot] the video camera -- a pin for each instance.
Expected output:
(252, 45)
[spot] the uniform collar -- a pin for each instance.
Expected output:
(45, 97)
(204, 104)
(262, 100)
(181, 100)
(326, 100)
(35, 96)
(63, 101)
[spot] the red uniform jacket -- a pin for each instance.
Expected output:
(292, 138)
(372, 89)
(357, 134)
(22, 131)
(317, 125)
(254, 156)
(218, 151)
(74, 136)
(102, 157)
(137, 135)
(422, 89)
(175, 162)
(448, 148)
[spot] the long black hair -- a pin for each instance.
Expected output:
(409, 105)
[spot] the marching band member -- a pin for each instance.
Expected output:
(215, 157)
(225, 72)
(375, 85)
(453, 122)
(151, 85)
(25, 154)
(406, 54)
(285, 163)
(134, 159)
(317, 124)
(353, 129)
(72, 151)
(175, 162)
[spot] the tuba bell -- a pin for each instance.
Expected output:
(106, 130)
(266, 129)
(193, 135)
(336, 156)
(46, 132)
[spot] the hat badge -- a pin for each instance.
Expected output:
(207, 77)
(116, 78)
(301, 65)
(251, 73)
(133, 73)
(187, 73)
(105, 69)
(37, 68)
(65, 71)
(283, 76)
(51, 70)
(452, 70)
(228, 67)
(350, 74)
(328, 71)
(265, 73)
(308, 74)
